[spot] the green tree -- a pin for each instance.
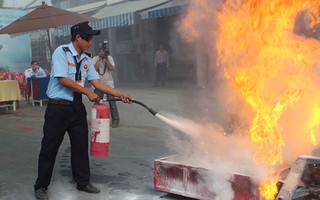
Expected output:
(1, 3)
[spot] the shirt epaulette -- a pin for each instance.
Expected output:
(66, 49)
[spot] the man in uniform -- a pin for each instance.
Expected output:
(66, 112)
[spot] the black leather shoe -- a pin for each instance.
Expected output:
(41, 194)
(88, 188)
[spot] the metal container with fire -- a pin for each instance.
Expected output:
(299, 182)
(173, 175)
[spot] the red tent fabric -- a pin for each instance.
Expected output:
(44, 17)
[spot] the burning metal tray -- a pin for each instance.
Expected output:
(173, 175)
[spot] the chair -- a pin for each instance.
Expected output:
(3, 75)
(21, 78)
(38, 89)
(24, 86)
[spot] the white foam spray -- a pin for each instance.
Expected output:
(211, 148)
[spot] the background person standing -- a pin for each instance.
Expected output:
(161, 63)
(104, 64)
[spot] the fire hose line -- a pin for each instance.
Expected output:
(138, 102)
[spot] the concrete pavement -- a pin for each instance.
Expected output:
(127, 174)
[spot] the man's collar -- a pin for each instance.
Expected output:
(74, 51)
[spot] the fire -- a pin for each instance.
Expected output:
(272, 66)
(268, 189)
(270, 55)
(314, 121)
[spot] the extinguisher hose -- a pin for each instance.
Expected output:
(137, 102)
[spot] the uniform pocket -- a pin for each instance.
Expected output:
(72, 72)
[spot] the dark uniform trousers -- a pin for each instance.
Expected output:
(60, 119)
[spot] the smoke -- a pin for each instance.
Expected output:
(211, 145)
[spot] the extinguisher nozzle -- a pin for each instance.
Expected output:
(152, 111)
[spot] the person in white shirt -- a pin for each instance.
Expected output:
(161, 63)
(34, 71)
(104, 65)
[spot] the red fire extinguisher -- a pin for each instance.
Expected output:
(100, 130)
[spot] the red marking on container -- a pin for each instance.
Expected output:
(99, 149)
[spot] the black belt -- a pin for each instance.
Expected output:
(59, 102)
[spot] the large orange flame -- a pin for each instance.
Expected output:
(270, 55)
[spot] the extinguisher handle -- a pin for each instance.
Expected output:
(137, 102)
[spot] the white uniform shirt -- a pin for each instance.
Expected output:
(63, 65)
(39, 73)
(104, 72)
